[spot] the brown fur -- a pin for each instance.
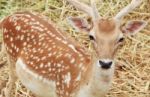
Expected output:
(33, 51)
(106, 25)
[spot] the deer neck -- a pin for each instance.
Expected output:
(100, 75)
(99, 82)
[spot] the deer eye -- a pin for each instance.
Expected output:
(121, 39)
(91, 37)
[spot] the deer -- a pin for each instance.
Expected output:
(49, 63)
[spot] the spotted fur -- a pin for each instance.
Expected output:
(45, 52)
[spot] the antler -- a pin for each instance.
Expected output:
(92, 11)
(83, 7)
(128, 8)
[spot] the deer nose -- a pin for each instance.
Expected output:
(105, 64)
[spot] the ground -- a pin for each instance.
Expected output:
(132, 74)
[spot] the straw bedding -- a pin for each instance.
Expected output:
(132, 75)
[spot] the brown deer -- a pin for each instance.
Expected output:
(51, 64)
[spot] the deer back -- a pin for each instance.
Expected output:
(45, 50)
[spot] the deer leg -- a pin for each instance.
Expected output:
(2, 55)
(2, 50)
(12, 78)
(2, 93)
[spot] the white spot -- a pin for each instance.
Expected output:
(46, 47)
(27, 15)
(29, 45)
(7, 36)
(11, 39)
(18, 28)
(25, 43)
(65, 42)
(41, 65)
(31, 55)
(5, 30)
(10, 50)
(36, 67)
(22, 37)
(59, 70)
(50, 54)
(45, 28)
(41, 51)
(40, 43)
(32, 36)
(31, 63)
(67, 94)
(37, 23)
(54, 46)
(72, 60)
(26, 20)
(80, 55)
(53, 35)
(43, 58)
(15, 24)
(41, 25)
(57, 83)
(80, 65)
(49, 64)
(78, 77)
(82, 59)
(28, 39)
(37, 28)
(17, 50)
(34, 42)
(50, 40)
(49, 69)
(32, 19)
(32, 30)
(34, 50)
(83, 68)
(58, 65)
(53, 69)
(43, 71)
(49, 49)
(58, 38)
(67, 79)
(68, 55)
(54, 53)
(72, 47)
(12, 45)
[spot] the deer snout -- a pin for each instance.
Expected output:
(105, 64)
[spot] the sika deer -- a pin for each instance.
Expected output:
(50, 64)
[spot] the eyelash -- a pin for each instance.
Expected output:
(121, 39)
(91, 37)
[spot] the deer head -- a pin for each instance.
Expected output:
(106, 34)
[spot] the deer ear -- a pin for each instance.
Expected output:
(79, 24)
(134, 26)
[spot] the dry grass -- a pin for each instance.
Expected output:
(132, 76)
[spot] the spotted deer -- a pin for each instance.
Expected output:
(51, 64)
